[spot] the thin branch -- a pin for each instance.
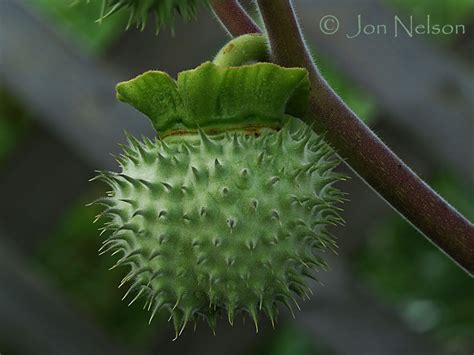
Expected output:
(364, 152)
(234, 18)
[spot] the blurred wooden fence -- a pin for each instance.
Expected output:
(80, 123)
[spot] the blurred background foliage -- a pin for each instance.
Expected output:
(78, 20)
(14, 123)
(440, 11)
(426, 288)
(76, 238)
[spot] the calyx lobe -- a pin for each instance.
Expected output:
(215, 98)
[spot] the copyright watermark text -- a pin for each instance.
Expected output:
(330, 25)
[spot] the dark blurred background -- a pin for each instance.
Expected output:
(389, 291)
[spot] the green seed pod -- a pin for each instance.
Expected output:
(225, 212)
(165, 11)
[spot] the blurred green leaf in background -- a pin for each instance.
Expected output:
(428, 289)
(441, 11)
(14, 123)
(71, 255)
(78, 19)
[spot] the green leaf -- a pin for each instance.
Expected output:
(77, 20)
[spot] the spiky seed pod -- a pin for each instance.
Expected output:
(165, 11)
(221, 220)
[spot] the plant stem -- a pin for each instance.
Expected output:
(234, 18)
(362, 150)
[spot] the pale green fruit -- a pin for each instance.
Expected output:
(224, 223)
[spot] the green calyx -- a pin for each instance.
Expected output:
(165, 11)
(216, 98)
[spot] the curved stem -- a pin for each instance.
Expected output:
(233, 17)
(243, 49)
(364, 152)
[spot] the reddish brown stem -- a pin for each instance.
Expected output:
(234, 18)
(364, 152)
